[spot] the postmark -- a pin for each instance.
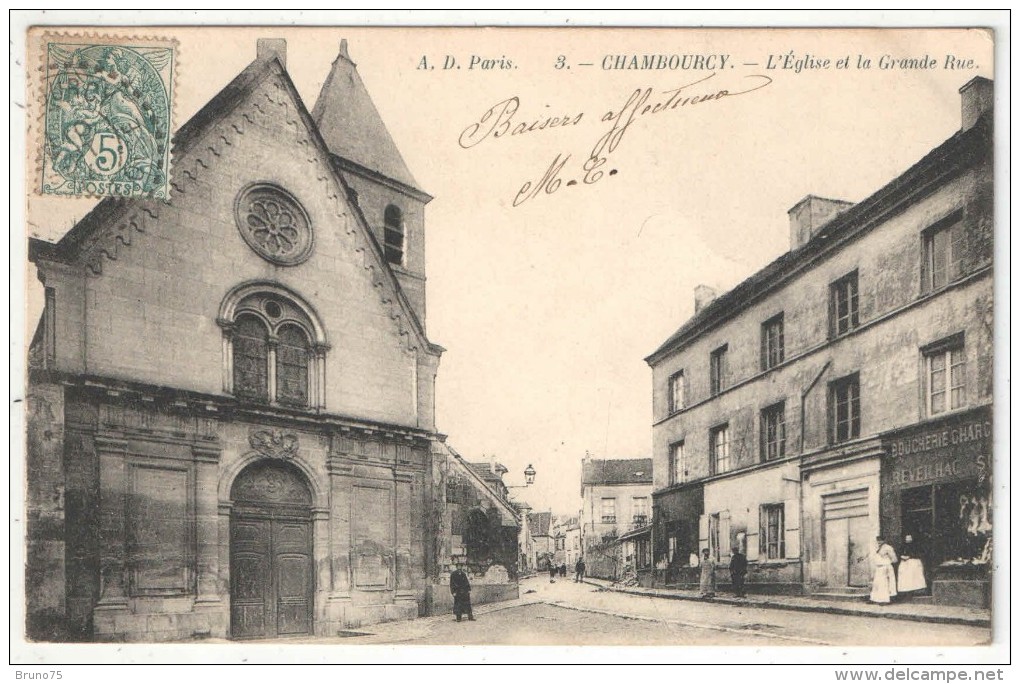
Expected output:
(107, 117)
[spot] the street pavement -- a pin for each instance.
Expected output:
(568, 614)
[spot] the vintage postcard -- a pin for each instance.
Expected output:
(662, 337)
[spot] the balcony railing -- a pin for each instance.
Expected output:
(609, 519)
(639, 521)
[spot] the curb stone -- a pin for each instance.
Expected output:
(805, 608)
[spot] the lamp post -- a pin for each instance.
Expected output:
(529, 479)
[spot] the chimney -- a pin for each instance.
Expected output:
(976, 98)
(809, 215)
(703, 296)
(267, 48)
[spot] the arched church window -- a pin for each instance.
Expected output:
(393, 235)
(274, 346)
(292, 353)
(251, 358)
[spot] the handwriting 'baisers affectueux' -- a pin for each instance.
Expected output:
(502, 121)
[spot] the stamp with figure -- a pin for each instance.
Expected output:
(107, 118)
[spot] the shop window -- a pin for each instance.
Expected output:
(772, 343)
(677, 463)
(943, 253)
(393, 235)
(845, 409)
(945, 376)
(773, 432)
(719, 445)
(771, 532)
(608, 510)
(677, 392)
(717, 369)
(843, 305)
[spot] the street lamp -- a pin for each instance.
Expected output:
(529, 478)
(529, 475)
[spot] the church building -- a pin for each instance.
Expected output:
(231, 394)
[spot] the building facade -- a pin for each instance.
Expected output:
(843, 391)
(231, 401)
(475, 526)
(616, 497)
(541, 526)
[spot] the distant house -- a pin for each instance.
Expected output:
(541, 533)
(616, 496)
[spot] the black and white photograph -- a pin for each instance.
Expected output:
(338, 336)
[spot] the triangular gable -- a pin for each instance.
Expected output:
(113, 222)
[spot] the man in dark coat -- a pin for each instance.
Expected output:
(579, 570)
(738, 571)
(460, 587)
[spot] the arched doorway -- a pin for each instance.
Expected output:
(271, 578)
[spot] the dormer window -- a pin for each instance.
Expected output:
(393, 235)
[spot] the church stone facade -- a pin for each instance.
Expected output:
(231, 409)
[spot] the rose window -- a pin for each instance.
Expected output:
(274, 224)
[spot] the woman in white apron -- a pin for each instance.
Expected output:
(883, 587)
(911, 571)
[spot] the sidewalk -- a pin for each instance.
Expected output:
(946, 615)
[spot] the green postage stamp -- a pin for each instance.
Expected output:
(106, 123)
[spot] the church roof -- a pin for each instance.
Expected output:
(351, 125)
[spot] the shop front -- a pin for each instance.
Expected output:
(936, 502)
(675, 535)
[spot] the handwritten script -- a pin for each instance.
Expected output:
(501, 121)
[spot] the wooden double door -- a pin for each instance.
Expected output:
(271, 563)
(847, 531)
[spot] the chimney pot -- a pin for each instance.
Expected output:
(267, 48)
(976, 97)
(703, 296)
(809, 215)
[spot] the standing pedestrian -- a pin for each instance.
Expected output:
(738, 571)
(579, 570)
(552, 572)
(883, 586)
(910, 577)
(707, 575)
(460, 587)
(563, 570)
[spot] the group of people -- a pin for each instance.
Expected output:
(561, 570)
(738, 572)
(895, 576)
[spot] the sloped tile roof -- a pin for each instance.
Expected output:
(598, 471)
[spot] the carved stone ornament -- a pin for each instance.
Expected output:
(274, 443)
(274, 224)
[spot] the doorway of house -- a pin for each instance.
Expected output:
(271, 579)
(846, 531)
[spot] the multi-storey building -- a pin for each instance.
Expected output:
(844, 390)
(616, 497)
